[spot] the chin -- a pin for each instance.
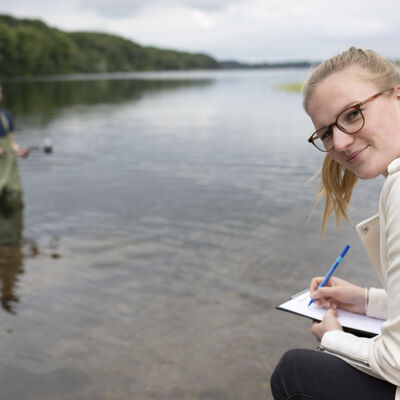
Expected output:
(366, 174)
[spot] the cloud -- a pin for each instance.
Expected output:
(126, 8)
(248, 30)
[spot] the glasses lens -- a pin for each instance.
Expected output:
(351, 120)
(323, 139)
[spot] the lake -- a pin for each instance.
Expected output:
(175, 212)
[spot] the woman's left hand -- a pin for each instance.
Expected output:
(328, 323)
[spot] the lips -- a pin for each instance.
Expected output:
(354, 156)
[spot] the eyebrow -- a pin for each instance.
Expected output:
(349, 105)
(345, 107)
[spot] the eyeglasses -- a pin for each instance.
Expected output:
(351, 120)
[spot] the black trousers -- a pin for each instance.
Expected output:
(312, 375)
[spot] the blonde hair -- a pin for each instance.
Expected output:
(337, 183)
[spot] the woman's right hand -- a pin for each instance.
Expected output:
(338, 293)
(23, 152)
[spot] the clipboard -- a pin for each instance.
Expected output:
(358, 324)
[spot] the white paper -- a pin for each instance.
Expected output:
(299, 305)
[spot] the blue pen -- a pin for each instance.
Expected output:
(331, 270)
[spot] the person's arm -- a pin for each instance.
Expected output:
(13, 143)
(16, 149)
(338, 293)
(379, 356)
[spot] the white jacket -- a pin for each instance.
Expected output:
(380, 234)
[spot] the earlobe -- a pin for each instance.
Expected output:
(396, 91)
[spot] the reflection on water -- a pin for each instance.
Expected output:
(44, 99)
(11, 260)
(11, 266)
(14, 249)
(13, 252)
(171, 218)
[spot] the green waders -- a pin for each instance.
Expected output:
(10, 182)
(11, 203)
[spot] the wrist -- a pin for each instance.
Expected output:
(366, 299)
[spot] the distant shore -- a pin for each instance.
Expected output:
(31, 48)
(265, 65)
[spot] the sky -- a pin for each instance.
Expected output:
(242, 30)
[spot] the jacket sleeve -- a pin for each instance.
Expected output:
(352, 349)
(377, 303)
(379, 356)
(384, 355)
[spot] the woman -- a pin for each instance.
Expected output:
(10, 183)
(353, 100)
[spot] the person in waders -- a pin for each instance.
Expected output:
(11, 212)
(10, 182)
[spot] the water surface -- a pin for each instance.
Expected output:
(174, 214)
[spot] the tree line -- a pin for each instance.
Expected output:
(30, 47)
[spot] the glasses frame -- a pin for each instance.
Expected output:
(357, 106)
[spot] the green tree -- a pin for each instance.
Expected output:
(30, 47)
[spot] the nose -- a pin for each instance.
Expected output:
(341, 140)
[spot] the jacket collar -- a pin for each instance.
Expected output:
(394, 166)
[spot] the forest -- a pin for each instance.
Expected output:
(31, 48)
